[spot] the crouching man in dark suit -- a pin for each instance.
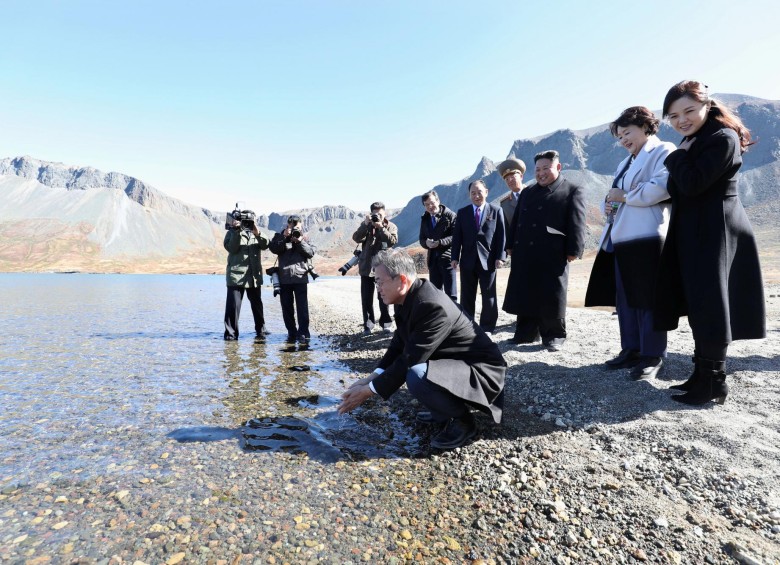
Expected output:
(448, 363)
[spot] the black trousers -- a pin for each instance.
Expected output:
(529, 328)
(443, 277)
(469, 279)
(367, 288)
(295, 297)
(235, 295)
(441, 402)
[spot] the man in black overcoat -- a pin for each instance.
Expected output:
(478, 243)
(547, 233)
(447, 362)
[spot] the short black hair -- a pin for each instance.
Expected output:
(429, 194)
(377, 206)
(478, 181)
(294, 219)
(550, 154)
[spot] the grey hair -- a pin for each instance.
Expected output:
(396, 261)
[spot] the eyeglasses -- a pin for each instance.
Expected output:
(380, 282)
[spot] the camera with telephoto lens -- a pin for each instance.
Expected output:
(351, 263)
(296, 233)
(375, 217)
(310, 270)
(273, 272)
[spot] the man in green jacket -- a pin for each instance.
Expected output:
(244, 273)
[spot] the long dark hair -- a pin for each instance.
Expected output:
(697, 91)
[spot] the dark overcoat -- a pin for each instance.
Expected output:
(709, 267)
(483, 246)
(548, 226)
(441, 232)
(461, 358)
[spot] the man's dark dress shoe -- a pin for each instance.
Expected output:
(626, 359)
(424, 417)
(555, 344)
(647, 368)
(456, 433)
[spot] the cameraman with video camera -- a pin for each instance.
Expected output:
(294, 255)
(243, 242)
(375, 234)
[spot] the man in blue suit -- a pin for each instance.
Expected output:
(478, 248)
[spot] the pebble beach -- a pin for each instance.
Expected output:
(587, 467)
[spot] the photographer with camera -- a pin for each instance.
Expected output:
(243, 242)
(374, 234)
(294, 268)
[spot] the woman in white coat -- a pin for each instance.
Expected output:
(624, 273)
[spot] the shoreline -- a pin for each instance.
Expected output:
(585, 467)
(584, 450)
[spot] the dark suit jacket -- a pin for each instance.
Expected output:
(445, 225)
(483, 247)
(461, 358)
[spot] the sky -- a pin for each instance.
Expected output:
(296, 104)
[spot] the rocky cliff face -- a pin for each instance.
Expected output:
(56, 217)
(590, 157)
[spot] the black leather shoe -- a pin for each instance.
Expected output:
(626, 359)
(456, 433)
(424, 417)
(647, 368)
(524, 339)
(555, 344)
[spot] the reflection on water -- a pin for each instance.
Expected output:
(97, 368)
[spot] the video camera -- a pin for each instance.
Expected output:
(246, 217)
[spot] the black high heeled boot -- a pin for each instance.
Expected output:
(688, 385)
(709, 385)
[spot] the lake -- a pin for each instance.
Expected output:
(96, 368)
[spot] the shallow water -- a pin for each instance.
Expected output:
(93, 367)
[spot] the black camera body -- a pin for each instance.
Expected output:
(375, 217)
(310, 270)
(246, 217)
(296, 233)
(351, 263)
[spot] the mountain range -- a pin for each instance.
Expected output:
(55, 217)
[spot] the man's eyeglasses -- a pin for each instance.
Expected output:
(380, 282)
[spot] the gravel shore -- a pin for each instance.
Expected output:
(587, 467)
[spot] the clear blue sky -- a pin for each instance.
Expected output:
(293, 103)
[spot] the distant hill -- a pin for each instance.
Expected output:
(55, 217)
(590, 157)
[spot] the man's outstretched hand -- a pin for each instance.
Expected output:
(355, 395)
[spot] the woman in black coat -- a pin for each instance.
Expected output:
(709, 267)
(436, 227)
